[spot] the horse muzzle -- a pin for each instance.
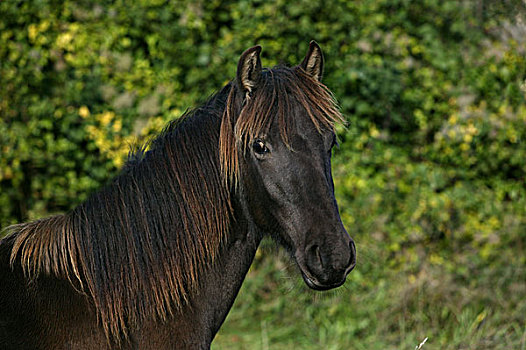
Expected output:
(325, 268)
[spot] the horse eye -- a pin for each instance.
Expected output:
(259, 147)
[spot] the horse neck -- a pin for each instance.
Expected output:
(220, 283)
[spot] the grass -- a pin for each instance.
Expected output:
(383, 305)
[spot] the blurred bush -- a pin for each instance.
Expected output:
(433, 91)
(432, 163)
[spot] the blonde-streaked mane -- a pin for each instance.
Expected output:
(136, 248)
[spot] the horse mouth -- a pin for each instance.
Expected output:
(315, 285)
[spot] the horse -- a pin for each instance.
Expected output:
(155, 259)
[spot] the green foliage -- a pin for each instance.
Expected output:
(430, 174)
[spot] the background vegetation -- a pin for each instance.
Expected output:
(430, 175)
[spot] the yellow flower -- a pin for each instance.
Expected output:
(32, 32)
(84, 112)
(64, 39)
(117, 125)
(374, 132)
(105, 118)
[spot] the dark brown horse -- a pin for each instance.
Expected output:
(155, 259)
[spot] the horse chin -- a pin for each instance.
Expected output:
(312, 284)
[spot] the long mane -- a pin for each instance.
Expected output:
(137, 247)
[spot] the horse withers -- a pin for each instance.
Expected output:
(155, 259)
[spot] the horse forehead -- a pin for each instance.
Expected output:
(297, 120)
(305, 130)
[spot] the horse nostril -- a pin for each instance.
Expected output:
(318, 256)
(314, 257)
(352, 258)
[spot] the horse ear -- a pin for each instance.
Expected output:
(313, 62)
(249, 69)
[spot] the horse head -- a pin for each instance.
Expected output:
(281, 121)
